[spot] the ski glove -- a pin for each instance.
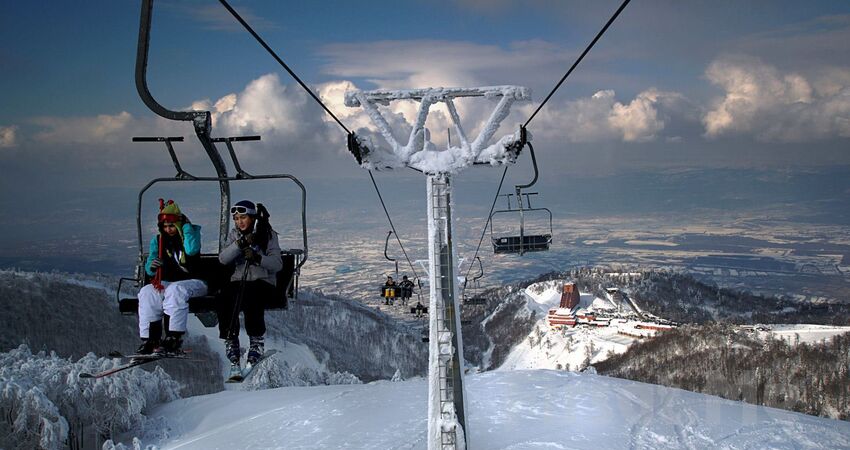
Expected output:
(156, 263)
(251, 255)
(246, 241)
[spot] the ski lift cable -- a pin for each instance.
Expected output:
(381, 198)
(577, 61)
(280, 61)
(313, 95)
(484, 230)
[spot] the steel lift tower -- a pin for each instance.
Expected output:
(447, 425)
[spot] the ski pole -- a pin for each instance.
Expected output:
(236, 307)
(157, 278)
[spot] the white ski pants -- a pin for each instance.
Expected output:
(173, 300)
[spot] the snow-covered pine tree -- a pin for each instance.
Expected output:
(54, 408)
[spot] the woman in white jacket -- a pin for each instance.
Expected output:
(252, 247)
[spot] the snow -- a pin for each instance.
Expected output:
(293, 354)
(418, 151)
(807, 333)
(506, 410)
(573, 348)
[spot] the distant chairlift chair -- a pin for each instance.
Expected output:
(474, 297)
(390, 292)
(471, 294)
(522, 242)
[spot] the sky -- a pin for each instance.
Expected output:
(671, 86)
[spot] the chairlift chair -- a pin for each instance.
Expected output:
(522, 242)
(209, 268)
(474, 298)
(397, 291)
(390, 292)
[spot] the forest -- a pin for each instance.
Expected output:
(723, 360)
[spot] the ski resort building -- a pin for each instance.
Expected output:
(565, 314)
(570, 313)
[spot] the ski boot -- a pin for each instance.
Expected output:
(173, 343)
(235, 374)
(256, 350)
(148, 347)
(231, 349)
(151, 344)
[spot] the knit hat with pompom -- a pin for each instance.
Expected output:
(169, 212)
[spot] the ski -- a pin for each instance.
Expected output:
(117, 354)
(137, 360)
(235, 376)
(246, 372)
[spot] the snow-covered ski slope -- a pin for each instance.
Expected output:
(568, 348)
(800, 333)
(507, 410)
(572, 348)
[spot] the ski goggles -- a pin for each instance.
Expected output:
(243, 210)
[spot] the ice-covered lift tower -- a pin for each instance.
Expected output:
(446, 407)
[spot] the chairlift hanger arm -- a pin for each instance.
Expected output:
(386, 246)
(480, 269)
(519, 187)
(201, 120)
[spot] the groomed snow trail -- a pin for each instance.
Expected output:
(507, 410)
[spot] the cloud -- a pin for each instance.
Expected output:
(423, 63)
(101, 129)
(215, 17)
(427, 63)
(774, 106)
(602, 118)
(8, 136)
(800, 46)
(278, 112)
(264, 107)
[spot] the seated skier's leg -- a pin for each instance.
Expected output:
(228, 321)
(256, 295)
(150, 319)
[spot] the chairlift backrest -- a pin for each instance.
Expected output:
(522, 242)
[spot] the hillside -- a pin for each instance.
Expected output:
(506, 410)
(725, 361)
(76, 314)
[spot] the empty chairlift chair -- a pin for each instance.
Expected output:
(521, 240)
(472, 293)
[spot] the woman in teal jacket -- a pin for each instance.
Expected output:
(172, 257)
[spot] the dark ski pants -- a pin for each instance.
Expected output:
(252, 305)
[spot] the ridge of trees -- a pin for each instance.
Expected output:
(720, 359)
